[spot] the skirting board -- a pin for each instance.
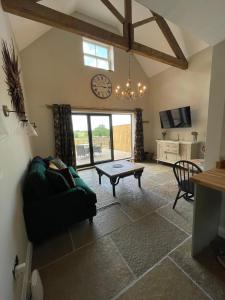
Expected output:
(25, 294)
(221, 232)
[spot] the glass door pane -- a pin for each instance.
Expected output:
(122, 135)
(101, 137)
(81, 137)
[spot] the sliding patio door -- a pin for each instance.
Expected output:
(101, 136)
(81, 139)
(93, 138)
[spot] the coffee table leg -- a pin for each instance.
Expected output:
(99, 177)
(114, 190)
(138, 176)
(139, 181)
(114, 181)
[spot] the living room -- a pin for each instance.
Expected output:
(137, 242)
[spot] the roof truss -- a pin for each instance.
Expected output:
(33, 10)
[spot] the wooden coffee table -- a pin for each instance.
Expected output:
(120, 169)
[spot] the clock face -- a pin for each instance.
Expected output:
(101, 86)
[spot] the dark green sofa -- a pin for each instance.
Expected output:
(47, 212)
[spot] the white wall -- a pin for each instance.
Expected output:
(216, 119)
(54, 73)
(215, 134)
(14, 156)
(175, 88)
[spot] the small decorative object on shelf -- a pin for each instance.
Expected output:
(164, 134)
(195, 136)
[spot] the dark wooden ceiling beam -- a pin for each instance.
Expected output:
(32, 10)
(169, 35)
(37, 12)
(113, 10)
(145, 21)
(128, 30)
(159, 56)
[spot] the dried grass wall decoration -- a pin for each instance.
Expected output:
(12, 72)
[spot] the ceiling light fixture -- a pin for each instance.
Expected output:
(130, 92)
(29, 128)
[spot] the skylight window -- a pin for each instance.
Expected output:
(98, 55)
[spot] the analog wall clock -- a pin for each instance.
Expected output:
(101, 86)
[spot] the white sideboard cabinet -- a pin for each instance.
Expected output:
(172, 151)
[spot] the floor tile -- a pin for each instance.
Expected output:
(144, 242)
(164, 282)
(166, 191)
(103, 192)
(160, 177)
(52, 249)
(105, 222)
(205, 270)
(182, 215)
(138, 204)
(93, 272)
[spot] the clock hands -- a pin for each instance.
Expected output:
(101, 86)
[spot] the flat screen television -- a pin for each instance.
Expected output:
(176, 118)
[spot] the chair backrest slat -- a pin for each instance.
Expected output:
(184, 170)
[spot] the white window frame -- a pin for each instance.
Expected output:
(110, 51)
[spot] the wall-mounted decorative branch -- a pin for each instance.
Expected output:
(12, 72)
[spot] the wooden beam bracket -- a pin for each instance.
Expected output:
(142, 22)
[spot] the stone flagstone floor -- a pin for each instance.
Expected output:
(137, 249)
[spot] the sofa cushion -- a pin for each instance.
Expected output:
(68, 176)
(53, 166)
(37, 185)
(47, 159)
(57, 180)
(39, 160)
(58, 163)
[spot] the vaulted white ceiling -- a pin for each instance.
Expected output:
(205, 18)
(27, 31)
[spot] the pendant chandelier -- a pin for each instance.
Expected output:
(130, 91)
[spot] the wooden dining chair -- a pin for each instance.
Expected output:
(183, 171)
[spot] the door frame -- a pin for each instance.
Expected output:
(92, 163)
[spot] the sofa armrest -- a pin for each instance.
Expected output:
(55, 213)
(73, 171)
